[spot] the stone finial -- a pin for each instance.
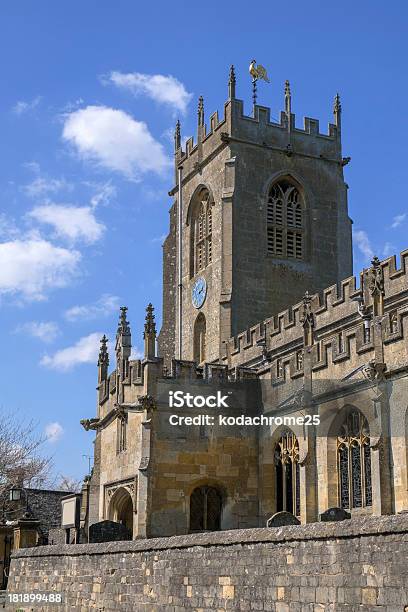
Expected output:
(200, 111)
(150, 323)
(149, 334)
(123, 343)
(307, 319)
(288, 100)
(123, 327)
(231, 83)
(103, 351)
(177, 137)
(103, 360)
(337, 110)
(376, 286)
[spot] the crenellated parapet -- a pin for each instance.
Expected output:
(185, 371)
(342, 320)
(108, 388)
(128, 373)
(259, 130)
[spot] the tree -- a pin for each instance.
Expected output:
(21, 463)
(69, 484)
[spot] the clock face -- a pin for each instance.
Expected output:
(199, 292)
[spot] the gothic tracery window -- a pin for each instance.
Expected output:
(285, 221)
(205, 509)
(287, 474)
(354, 462)
(202, 233)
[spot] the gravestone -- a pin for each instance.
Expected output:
(108, 531)
(280, 519)
(334, 514)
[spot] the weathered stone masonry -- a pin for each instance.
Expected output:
(357, 564)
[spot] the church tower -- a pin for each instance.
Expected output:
(263, 217)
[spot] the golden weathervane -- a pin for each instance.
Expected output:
(257, 72)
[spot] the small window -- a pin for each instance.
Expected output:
(205, 509)
(121, 434)
(199, 338)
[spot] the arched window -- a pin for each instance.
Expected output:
(121, 444)
(199, 338)
(201, 233)
(287, 474)
(285, 221)
(354, 462)
(205, 509)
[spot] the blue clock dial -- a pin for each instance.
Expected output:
(199, 292)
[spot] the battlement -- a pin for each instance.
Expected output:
(187, 371)
(331, 309)
(107, 387)
(258, 129)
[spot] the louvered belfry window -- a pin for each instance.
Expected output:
(285, 221)
(202, 233)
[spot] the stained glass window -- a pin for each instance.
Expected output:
(354, 462)
(287, 474)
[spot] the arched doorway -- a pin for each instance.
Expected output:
(205, 509)
(121, 508)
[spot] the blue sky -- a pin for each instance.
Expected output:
(86, 151)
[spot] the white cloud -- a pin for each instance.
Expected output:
(363, 244)
(101, 308)
(103, 195)
(46, 331)
(398, 220)
(114, 140)
(163, 89)
(8, 228)
(84, 351)
(22, 106)
(33, 166)
(32, 266)
(389, 249)
(70, 222)
(53, 432)
(42, 186)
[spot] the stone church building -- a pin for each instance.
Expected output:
(258, 301)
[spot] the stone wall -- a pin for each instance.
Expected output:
(358, 564)
(44, 506)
